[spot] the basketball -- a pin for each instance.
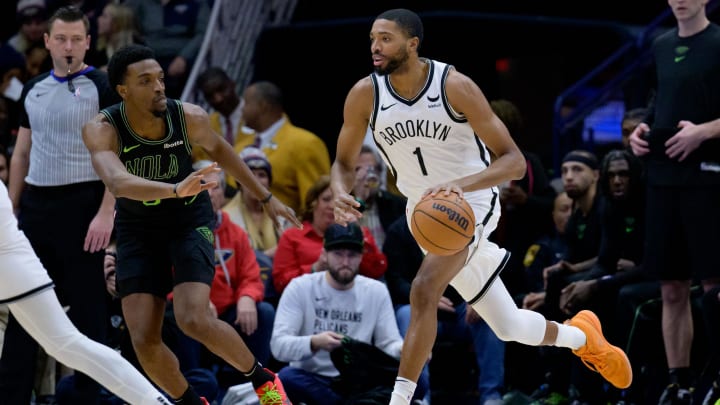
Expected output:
(443, 225)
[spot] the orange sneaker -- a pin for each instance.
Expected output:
(598, 354)
(272, 392)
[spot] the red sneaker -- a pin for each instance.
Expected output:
(205, 401)
(272, 392)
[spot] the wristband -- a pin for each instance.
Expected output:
(266, 199)
(175, 190)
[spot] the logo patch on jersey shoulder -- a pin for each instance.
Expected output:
(433, 99)
(385, 107)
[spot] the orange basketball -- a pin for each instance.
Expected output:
(443, 225)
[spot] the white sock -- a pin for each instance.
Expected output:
(569, 336)
(402, 391)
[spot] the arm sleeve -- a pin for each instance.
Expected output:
(286, 343)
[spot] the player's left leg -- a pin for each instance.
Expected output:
(44, 319)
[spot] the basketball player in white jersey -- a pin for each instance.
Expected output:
(27, 288)
(437, 133)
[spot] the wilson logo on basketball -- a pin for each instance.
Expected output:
(453, 215)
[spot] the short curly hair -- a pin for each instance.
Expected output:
(407, 20)
(124, 57)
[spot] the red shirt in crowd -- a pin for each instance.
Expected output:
(299, 249)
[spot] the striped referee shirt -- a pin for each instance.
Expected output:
(56, 116)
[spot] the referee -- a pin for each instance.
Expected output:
(61, 204)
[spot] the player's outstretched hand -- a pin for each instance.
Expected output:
(275, 207)
(193, 183)
(346, 208)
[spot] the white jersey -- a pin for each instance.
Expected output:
(423, 140)
(21, 273)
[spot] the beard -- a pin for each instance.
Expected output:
(159, 112)
(575, 193)
(392, 65)
(343, 277)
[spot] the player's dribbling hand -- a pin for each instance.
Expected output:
(446, 189)
(193, 183)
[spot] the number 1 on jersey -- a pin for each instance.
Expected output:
(417, 153)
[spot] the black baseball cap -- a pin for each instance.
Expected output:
(344, 237)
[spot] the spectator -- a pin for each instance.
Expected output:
(623, 237)
(299, 251)
(54, 188)
(317, 310)
(174, 30)
(380, 208)
(11, 72)
(236, 293)
(580, 174)
(631, 119)
(37, 60)
(115, 29)
(220, 91)
(32, 16)
(547, 251)
(247, 211)
(263, 111)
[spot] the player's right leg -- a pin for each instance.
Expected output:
(43, 318)
(478, 282)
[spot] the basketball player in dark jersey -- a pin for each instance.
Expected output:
(141, 148)
(435, 130)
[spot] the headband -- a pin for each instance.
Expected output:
(577, 157)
